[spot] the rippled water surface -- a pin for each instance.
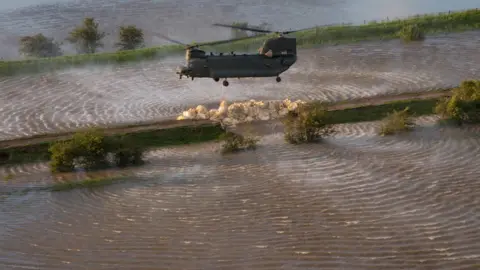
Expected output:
(357, 201)
(150, 90)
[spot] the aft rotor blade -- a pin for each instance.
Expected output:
(224, 41)
(293, 31)
(243, 28)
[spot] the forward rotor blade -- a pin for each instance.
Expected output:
(171, 40)
(243, 28)
(224, 41)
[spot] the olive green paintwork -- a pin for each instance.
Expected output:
(276, 56)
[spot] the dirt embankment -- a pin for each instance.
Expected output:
(168, 124)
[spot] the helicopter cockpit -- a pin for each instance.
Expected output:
(279, 46)
(194, 53)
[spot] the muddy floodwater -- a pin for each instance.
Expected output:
(357, 201)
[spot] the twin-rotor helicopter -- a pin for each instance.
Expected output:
(276, 56)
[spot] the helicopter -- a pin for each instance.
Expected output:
(276, 56)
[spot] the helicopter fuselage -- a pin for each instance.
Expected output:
(237, 66)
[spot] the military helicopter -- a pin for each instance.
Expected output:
(276, 56)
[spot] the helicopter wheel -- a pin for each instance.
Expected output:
(279, 79)
(216, 79)
(225, 83)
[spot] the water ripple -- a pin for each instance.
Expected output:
(372, 202)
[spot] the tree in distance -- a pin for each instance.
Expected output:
(39, 46)
(87, 37)
(130, 38)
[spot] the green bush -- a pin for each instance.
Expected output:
(411, 32)
(62, 156)
(464, 104)
(397, 122)
(233, 142)
(89, 150)
(309, 123)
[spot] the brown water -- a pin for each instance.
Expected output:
(150, 90)
(358, 201)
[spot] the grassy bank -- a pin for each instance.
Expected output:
(430, 24)
(142, 139)
(87, 183)
(378, 112)
(187, 135)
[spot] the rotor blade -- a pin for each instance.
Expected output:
(224, 41)
(299, 30)
(171, 40)
(243, 28)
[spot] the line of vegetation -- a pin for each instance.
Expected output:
(142, 140)
(313, 121)
(306, 126)
(86, 183)
(87, 38)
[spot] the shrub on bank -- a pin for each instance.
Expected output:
(233, 142)
(309, 123)
(125, 152)
(397, 122)
(464, 104)
(89, 150)
(411, 32)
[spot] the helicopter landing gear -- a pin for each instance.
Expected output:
(278, 79)
(216, 79)
(225, 83)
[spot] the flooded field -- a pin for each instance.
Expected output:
(358, 201)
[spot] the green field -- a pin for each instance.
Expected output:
(431, 23)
